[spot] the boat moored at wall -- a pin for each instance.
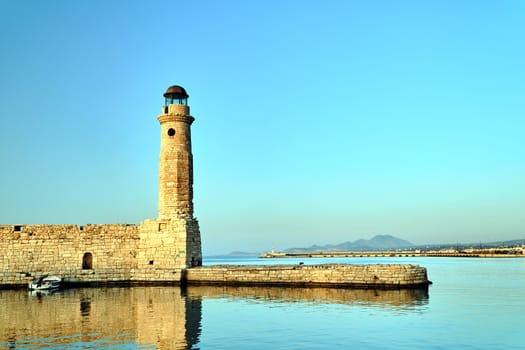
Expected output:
(45, 283)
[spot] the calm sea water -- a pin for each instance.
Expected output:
(473, 304)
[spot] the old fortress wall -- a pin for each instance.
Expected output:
(84, 253)
(153, 251)
(67, 250)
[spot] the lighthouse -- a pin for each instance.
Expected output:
(172, 242)
(176, 159)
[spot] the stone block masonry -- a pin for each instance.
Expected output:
(166, 248)
(154, 251)
(87, 253)
(381, 276)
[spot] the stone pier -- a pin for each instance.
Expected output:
(380, 276)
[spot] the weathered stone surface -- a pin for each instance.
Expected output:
(327, 275)
(175, 164)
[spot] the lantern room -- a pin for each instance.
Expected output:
(176, 95)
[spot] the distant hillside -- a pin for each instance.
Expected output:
(384, 242)
(459, 246)
(379, 242)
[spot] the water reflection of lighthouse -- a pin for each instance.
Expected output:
(167, 317)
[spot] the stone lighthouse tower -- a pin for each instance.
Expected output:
(176, 160)
(172, 242)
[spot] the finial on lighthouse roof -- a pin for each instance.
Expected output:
(176, 94)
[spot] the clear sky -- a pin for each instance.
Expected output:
(316, 122)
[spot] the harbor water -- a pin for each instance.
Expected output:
(473, 303)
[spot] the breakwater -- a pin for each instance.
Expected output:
(385, 276)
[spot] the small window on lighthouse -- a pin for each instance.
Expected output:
(171, 132)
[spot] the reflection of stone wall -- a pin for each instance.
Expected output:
(68, 313)
(336, 275)
(167, 318)
(160, 316)
(392, 297)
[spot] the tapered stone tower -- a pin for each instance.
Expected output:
(176, 160)
(172, 242)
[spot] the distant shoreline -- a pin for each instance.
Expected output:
(474, 254)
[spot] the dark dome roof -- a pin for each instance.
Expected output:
(176, 91)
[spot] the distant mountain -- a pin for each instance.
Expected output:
(379, 242)
(383, 242)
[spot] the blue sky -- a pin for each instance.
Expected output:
(315, 122)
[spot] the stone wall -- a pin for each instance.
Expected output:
(167, 247)
(154, 251)
(327, 275)
(76, 253)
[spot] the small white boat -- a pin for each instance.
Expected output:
(45, 283)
